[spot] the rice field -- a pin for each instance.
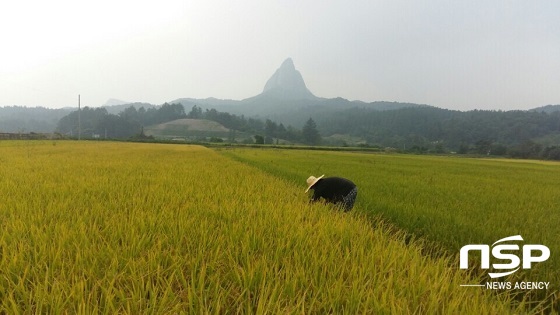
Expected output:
(102, 227)
(448, 201)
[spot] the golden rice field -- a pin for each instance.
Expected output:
(101, 227)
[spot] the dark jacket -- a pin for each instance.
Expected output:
(332, 189)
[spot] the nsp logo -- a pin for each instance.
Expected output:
(531, 253)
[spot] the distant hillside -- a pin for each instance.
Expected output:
(547, 109)
(115, 109)
(191, 129)
(289, 112)
(428, 127)
(113, 102)
(30, 119)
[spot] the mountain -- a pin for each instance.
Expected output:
(30, 119)
(287, 83)
(547, 109)
(284, 90)
(113, 102)
(285, 98)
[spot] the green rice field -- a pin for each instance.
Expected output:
(448, 201)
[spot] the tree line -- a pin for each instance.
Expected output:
(521, 134)
(98, 123)
(268, 132)
(525, 134)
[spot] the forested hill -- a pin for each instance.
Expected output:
(30, 119)
(453, 130)
(533, 133)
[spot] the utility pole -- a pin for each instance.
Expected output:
(79, 120)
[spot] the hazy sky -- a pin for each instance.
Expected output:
(452, 54)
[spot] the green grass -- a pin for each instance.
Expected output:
(102, 227)
(449, 201)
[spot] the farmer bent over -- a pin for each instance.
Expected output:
(336, 190)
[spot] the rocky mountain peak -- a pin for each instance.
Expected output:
(288, 65)
(287, 83)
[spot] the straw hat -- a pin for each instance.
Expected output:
(312, 180)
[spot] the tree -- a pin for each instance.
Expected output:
(90, 118)
(259, 139)
(270, 128)
(310, 133)
(195, 113)
(130, 113)
(551, 153)
(526, 150)
(169, 112)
